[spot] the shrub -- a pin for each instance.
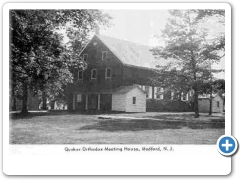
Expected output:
(168, 105)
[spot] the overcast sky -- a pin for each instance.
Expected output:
(137, 25)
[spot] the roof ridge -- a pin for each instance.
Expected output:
(137, 43)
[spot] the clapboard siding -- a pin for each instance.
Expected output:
(140, 105)
(94, 61)
(119, 102)
(204, 104)
(214, 104)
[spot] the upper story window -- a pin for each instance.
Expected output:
(108, 73)
(218, 104)
(134, 100)
(80, 75)
(94, 74)
(85, 57)
(104, 55)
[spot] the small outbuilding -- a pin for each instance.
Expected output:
(129, 99)
(204, 104)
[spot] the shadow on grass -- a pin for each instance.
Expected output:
(140, 125)
(31, 114)
(180, 117)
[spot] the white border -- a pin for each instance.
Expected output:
(52, 160)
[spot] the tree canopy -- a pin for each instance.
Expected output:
(39, 57)
(190, 53)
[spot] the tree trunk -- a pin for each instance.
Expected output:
(210, 107)
(196, 109)
(211, 97)
(14, 105)
(24, 98)
(44, 99)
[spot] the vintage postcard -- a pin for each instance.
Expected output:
(117, 89)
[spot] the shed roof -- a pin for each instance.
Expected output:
(126, 89)
(207, 96)
(122, 90)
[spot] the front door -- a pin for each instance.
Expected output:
(106, 102)
(92, 101)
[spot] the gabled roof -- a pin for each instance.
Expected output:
(207, 96)
(130, 53)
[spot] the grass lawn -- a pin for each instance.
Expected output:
(144, 128)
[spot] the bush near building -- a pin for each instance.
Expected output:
(168, 106)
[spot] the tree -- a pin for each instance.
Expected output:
(211, 87)
(174, 80)
(38, 56)
(219, 15)
(188, 51)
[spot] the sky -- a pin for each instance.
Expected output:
(137, 25)
(142, 25)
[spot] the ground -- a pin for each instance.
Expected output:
(125, 128)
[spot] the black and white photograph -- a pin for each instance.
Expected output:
(117, 89)
(116, 76)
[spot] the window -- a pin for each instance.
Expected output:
(158, 92)
(183, 97)
(218, 104)
(147, 91)
(108, 72)
(93, 74)
(104, 55)
(162, 92)
(79, 98)
(172, 95)
(134, 100)
(85, 57)
(80, 75)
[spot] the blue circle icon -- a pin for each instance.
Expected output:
(227, 145)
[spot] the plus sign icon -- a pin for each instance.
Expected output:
(227, 145)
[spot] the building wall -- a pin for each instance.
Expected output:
(122, 75)
(140, 105)
(203, 105)
(118, 102)
(80, 102)
(94, 50)
(215, 107)
(137, 75)
(95, 61)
